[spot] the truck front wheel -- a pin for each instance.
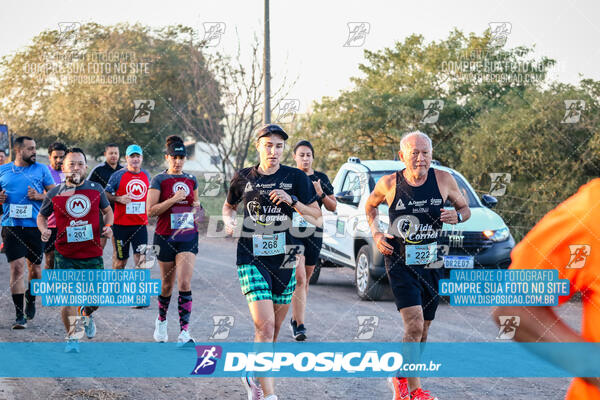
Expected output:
(367, 287)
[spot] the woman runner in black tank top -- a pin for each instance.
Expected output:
(312, 237)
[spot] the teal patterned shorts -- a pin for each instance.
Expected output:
(255, 287)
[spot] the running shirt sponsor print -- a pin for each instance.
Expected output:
(415, 220)
(180, 217)
(266, 224)
(125, 182)
(77, 211)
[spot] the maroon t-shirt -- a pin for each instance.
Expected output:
(77, 212)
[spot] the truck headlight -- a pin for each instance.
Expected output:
(498, 235)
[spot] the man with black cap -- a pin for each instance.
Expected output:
(267, 251)
(128, 188)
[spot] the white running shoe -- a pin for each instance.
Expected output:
(254, 390)
(89, 326)
(160, 331)
(72, 345)
(185, 339)
(271, 397)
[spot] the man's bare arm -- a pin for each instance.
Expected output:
(310, 212)
(375, 199)
(118, 199)
(42, 224)
(229, 217)
(457, 200)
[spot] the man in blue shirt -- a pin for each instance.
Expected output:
(22, 185)
(56, 154)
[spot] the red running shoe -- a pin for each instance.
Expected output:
(420, 394)
(400, 388)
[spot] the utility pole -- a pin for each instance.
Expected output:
(267, 68)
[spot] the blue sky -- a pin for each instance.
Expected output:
(308, 36)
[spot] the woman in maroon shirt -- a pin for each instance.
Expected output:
(173, 197)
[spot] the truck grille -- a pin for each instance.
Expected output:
(464, 243)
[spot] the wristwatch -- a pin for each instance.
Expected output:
(294, 201)
(459, 217)
(323, 195)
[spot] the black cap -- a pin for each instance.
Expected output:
(176, 149)
(271, 129)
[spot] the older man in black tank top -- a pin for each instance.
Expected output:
(415, 197)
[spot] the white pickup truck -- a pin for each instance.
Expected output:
(484, 240)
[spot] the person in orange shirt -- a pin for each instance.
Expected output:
(566, 239)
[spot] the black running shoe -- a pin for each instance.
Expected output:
(300, 335)
(29, 307)
(20, 323)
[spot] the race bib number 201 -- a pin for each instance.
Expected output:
(79, 233)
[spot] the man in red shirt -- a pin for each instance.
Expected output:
(128, 189)
(77, 205)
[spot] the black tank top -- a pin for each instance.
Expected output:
(415, 213)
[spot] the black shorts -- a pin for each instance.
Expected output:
(129, 235)
(413, 285)
(169, 247)
(49, 247)
(312, 248)
(23, 242)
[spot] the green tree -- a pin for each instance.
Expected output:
(500, 114)
(526, 136)
(387, 101)
(58, 88)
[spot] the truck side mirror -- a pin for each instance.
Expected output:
(346, 197)
(489, 201)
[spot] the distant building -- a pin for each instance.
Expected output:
(203, 157)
